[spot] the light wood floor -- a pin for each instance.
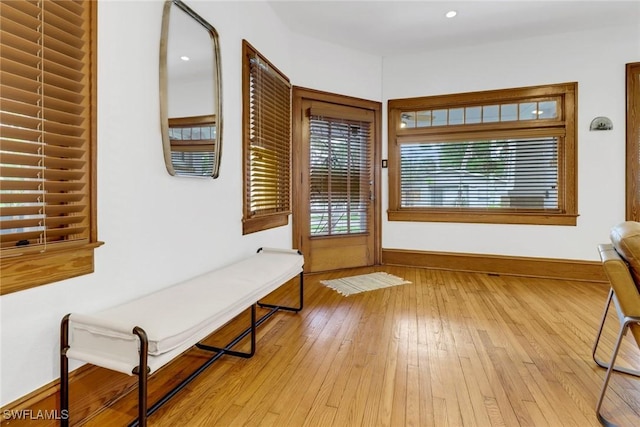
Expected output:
(450, 349)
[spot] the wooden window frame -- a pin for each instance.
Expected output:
(567, 157)
(34, 265)
(254, 221)
(633, 142)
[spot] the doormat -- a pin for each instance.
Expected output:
(364, 282)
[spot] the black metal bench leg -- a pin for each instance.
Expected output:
(143, 374)
(300, 302)
(227, 349)
(142, 397)
(64, 372)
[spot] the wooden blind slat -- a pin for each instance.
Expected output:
(9, 198)
(13, 46)
(35, 61)
(32, 53)
(37, 184)
(51, 235)
(56, 222)
(58, 39)
(28, 67)
(77, 7)
(37, 209)
(65, 19)
(9, 158)
(32, 136)
(21, 18)
(19, 95)
(20, 172)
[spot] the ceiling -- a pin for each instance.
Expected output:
(387, 27)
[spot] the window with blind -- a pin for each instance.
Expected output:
(47, 134)
(267, 143)
(192, 142)
(504, 156)
(340, 176)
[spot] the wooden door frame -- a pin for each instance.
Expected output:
(633, 142)
(301, 94)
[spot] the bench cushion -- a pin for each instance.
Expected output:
(182, 314)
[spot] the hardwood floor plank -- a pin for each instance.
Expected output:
(449, 349)
(373, 394)
(536, 415)
(412, 405)
(320, 416)
(440, 413)
(477, 397)
(543, 399)
(497, 398)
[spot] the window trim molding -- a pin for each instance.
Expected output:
(31, 268)
(567, 165)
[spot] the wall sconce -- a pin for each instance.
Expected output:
(601, 123)
(404, 117)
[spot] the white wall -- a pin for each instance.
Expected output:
(594, 59)
(160, 229)
(330, 68)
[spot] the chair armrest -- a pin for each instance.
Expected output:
(621, 280)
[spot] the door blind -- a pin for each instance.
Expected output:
(340, 176)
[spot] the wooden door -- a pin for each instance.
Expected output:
(336, 219)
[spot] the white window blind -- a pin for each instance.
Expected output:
(520, 174)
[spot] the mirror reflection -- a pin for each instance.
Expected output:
(190, 93)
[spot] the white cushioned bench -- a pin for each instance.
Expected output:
(140, 336)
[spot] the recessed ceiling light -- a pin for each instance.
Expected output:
(185, 58)
(451, 14)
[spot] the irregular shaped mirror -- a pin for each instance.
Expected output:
(190, 93)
